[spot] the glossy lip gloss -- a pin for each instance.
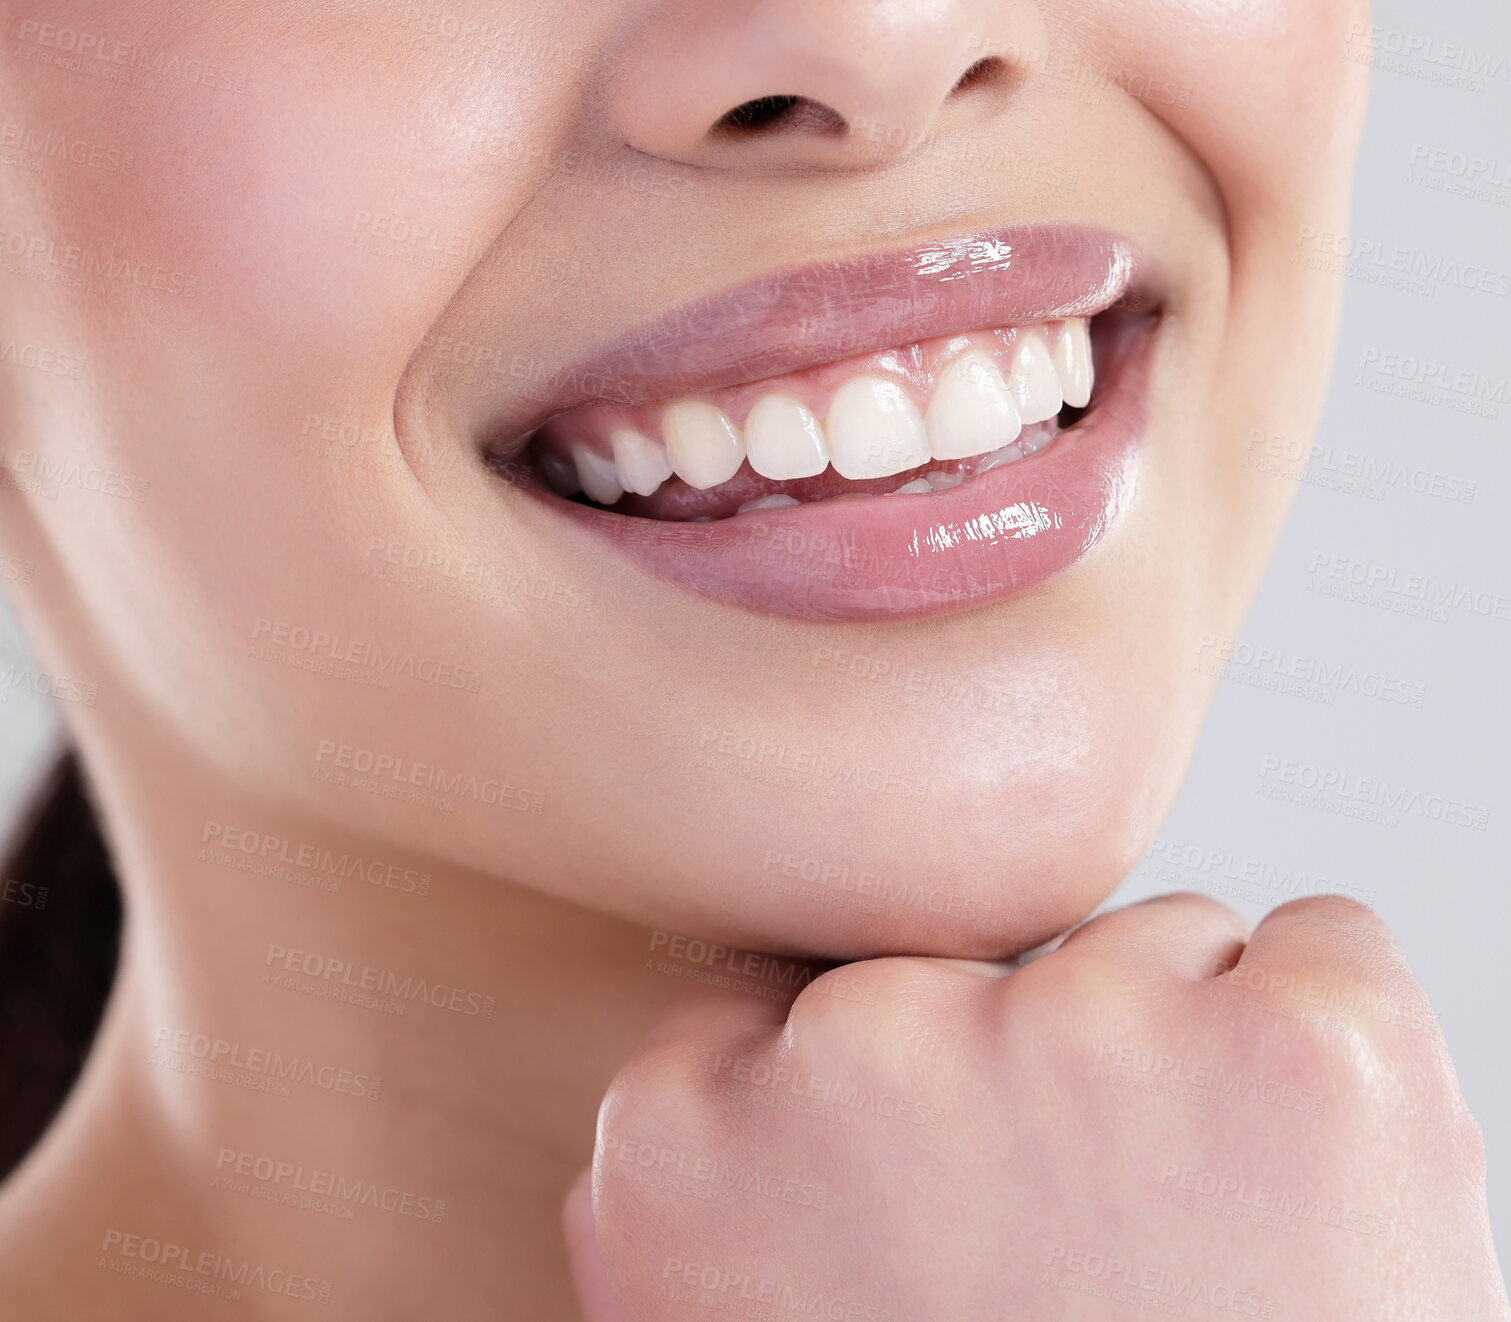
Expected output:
(885, 557)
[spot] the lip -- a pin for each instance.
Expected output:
(885, 557)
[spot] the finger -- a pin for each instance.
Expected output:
(1188, 935)
(1325, 942)
(589, 1276)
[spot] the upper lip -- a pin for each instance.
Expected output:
(803, 316)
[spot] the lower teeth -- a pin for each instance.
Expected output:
(775, 501)
(914, 488)
(1031, 442)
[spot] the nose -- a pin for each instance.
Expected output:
(828, 84)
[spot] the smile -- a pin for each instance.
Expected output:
(735, 448)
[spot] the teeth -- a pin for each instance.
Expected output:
(1008, 454)
(783, 440)
(599, 477)
(1035, 439)
(874, 430)
(972, 411)
(704, 446)
(916, 487)
(641, 463)
(1070, 347)
(775, 501)
(559, 472)
(1034, 383)
(987, 404)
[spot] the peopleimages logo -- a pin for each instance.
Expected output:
(316, 647)
(1286, 1204)
(278, 851)
(1375, 261)
(1424, 592)
(205, 1271)
(145, 65)
(312, 1189)
(45, 257)
(1324, 783)
(388, 768)
(760, 751)
(216, 1058)
(1119, 1058)
(350, 975)
(1231, 657)
(743, 1295)
(1097, 1274)
(1429, 50)
(1186, 863)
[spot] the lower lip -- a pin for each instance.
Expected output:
(908, 557)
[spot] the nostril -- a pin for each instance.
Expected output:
(761, 113)
(788, 114)
(983, 72)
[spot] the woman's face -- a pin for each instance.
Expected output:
(321, 261)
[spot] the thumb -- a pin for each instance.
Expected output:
(589, 1275)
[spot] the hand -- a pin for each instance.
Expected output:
(1164, 1117)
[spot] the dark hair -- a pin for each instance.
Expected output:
(60, 926)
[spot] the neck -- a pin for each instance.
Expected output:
(346, 1068)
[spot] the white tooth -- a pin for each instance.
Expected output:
(596, 472)
(1032, 378)
(1008, 454)
(972, 411)
(914, 488)
(559, 472)
(641, 463)
(704, 446)
(944, 481)
(775, 501)
(1071, 351)
(783, 440)
(874, 430)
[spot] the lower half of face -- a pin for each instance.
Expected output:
(815, 534)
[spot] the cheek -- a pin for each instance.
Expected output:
(1265, 92)
(331, 223)
(325, 215)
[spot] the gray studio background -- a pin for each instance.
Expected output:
(1411, 488)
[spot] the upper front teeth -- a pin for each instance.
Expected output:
(971, 401)
(1034, 383)
(783, 440)
(874, 430)
(703, 445)
(981, 401)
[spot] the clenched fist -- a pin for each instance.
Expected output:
(1163, 1117)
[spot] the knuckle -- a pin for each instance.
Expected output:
(1339, 939)
(662, 1086)
(1206, 906)
(1330, 913)
(861, 993)
(1106, 1006)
